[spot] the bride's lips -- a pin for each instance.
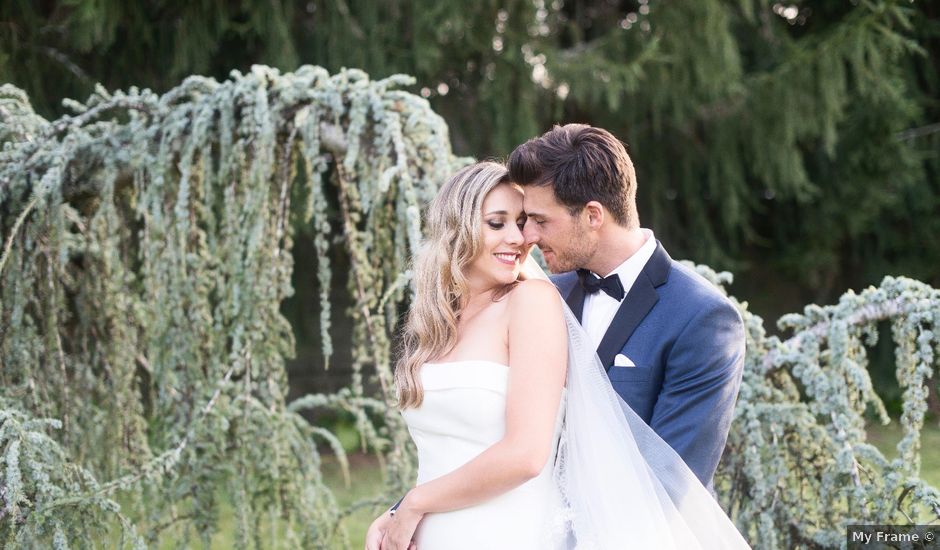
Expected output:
(507, 258)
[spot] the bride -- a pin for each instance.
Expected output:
(522, 442)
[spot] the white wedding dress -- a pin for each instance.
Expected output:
(463, 413)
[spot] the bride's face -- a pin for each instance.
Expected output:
(500, 260)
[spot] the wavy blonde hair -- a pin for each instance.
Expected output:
(454, 239)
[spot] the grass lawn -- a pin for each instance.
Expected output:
(365, 482)
(886, 439)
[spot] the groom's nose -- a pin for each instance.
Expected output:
(515, 236)
(530, 233)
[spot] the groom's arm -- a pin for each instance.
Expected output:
(703, 373)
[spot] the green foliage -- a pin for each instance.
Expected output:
(77, 43)
(798, 467)
(146, 251)
(802, 132)
(39, 486)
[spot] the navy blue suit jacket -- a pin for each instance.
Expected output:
(687, 342)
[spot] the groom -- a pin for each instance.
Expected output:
(672, 345)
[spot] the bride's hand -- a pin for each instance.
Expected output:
(401, 527)
(377, 531)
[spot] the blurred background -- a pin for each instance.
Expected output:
(795, 144)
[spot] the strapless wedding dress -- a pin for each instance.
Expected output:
(463, 413)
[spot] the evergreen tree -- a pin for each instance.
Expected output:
(795, 142)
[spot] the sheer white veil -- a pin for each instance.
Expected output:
(622, 486)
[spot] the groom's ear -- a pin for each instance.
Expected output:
(595, 214)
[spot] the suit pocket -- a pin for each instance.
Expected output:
(638, 373)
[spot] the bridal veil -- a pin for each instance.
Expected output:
(622, 486)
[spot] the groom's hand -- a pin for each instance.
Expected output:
(376, 532)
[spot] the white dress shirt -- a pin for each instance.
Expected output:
(600, 308)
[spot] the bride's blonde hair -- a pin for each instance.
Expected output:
(454, 238)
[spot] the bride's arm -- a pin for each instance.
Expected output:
(538, 357)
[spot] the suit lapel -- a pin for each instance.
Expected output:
(575, 300)
(635, 306)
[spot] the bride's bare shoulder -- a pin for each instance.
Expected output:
(534, 288)
(537, 318)
(534, 295)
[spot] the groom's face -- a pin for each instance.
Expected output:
(564, 239)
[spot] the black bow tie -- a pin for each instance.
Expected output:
(610, 284)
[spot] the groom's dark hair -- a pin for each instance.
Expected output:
(581, 163)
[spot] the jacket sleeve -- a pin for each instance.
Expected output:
(703, 373)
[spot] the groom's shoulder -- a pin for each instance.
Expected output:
(686, 286)
(564, 281)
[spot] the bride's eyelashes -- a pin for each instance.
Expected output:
(500, 225)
